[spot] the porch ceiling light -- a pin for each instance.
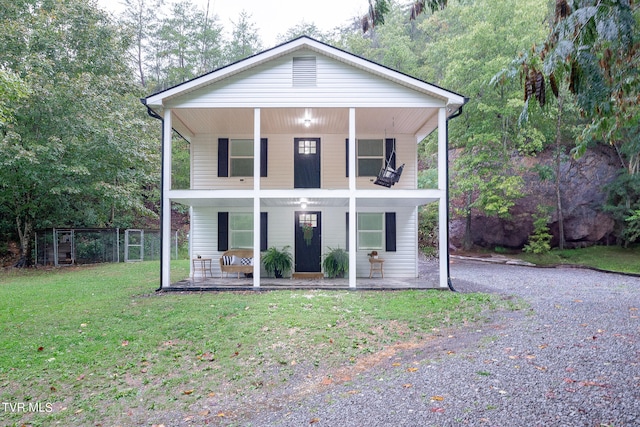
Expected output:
(307, 122)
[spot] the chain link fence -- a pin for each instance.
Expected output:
(70, 246)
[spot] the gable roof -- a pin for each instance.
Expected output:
(453, 100)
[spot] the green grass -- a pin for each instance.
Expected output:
(610, 258)
(100, 347)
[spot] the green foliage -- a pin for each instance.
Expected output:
(623, 203)
(277, 261)
(68, 155)
(591, 50)
(633, 226)
(428, 229)
(335, 262)
(540, 239)
(12, 89)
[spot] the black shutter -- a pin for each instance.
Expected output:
(390, 155)
(223, 156)
(263, 157)
(347, 156)
(223, 231)
(263, 231)
(390, 231)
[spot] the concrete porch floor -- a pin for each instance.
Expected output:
(429, 281)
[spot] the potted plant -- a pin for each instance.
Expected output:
(277, 261)
(336, 262)
(373, 254)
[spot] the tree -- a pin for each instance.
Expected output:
(378, 9)
(302, 29)
(71, 154)
(245, 40)
(187, 43)
(465, 46)
(591, 53)
(140, 16)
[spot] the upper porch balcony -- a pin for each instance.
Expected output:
(300, 148)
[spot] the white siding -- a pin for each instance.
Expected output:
(204, 160)
(338, 84)
(204, 236)
(204, 165)
(403, 262)
(399, 264)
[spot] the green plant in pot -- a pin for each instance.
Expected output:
(277, 261)
(336, 262)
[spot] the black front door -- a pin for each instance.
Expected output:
(306, 166)
(308, 241)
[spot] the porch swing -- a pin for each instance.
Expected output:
(388, 176)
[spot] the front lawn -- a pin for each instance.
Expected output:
(86, 346)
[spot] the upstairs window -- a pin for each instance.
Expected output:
(235, 157)
(370, 156)
(241, 157)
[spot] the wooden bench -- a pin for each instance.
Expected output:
(237, 261)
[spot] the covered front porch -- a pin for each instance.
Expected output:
(428, 279)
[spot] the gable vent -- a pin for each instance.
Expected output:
(304, 71)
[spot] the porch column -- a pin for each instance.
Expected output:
(165, 269)
(256, 197)
(443, 225)
(352, 199)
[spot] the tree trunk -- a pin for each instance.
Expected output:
(467, 240)
(25, 234)
(558, 164)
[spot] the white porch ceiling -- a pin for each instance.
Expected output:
(190, 121)
(367, 199)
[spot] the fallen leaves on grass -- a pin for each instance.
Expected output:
(407, 385)
(412, 369)
(208, 357)
(314, 420)
(187, 392)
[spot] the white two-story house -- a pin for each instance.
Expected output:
(297, 136)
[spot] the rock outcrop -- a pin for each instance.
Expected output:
(583, 195)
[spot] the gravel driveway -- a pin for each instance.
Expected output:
(572, 359)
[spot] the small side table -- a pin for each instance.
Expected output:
(376, 264)
(204, 264)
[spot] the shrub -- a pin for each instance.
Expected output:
(540, 239)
